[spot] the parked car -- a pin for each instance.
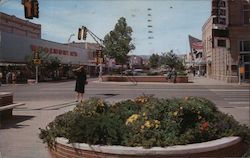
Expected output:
(138, 72)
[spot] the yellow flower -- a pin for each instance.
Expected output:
(132, 118)
(157, 123)
(175, 113)
(142, 127)
(144, 114)
(147, 124)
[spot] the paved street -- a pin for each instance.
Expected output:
(44, 101)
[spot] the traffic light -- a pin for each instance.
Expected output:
(80, 33)
(28, 9)
(36, 55)
(35, 8)
(98, 57)
(84, 36)
(31, 8)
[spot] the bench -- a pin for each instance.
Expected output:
(6, 110)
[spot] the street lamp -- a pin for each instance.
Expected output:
(71, 35)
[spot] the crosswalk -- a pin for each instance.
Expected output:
(239, 98)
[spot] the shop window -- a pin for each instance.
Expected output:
(244, 46)
(221, 43)
(247, 58)
(246, 14)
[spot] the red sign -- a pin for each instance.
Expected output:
(53, 51)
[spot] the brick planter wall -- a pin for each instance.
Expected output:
(224, 147)
(179, 79)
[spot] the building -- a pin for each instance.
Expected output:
(226, 41)
(21, 38)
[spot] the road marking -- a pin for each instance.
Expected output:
(238, 99)
(171, 89)
(240, 102)
(230, 90)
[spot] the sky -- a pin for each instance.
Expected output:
(171, 20)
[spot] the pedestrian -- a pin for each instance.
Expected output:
(81, 81)
(8, 76)
(1, 76)
(174, 75)
(13, 77)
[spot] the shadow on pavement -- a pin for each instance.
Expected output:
(14, 121)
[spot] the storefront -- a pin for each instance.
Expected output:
(14, 50)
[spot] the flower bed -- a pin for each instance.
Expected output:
(144, 122)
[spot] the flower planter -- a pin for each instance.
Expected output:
(224, 147)
(179, 79)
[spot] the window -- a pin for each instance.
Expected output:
(246, 12)
(244, 46)
(221, 43)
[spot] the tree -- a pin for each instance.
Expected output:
(154, 60)
(118, 42)
(172, 60)
(168, 58)
(48, 65)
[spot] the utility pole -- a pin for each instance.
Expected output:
(82, 34)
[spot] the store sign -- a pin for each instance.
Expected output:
(219, 11)
(53, 51)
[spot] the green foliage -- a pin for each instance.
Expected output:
(145, 121)
(48, 63)
(154, 60)
(168, 58)
(118, 42)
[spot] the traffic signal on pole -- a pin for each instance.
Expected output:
(36, 55)
(35, 8)
(84, 36)
(28, 9)
(80, 33)
(31, 8)
(98, 57)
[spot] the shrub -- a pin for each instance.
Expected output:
(145, 121)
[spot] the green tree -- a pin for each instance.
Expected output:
(118, 42)
(172, 60)
(48, 63)
(154, 60)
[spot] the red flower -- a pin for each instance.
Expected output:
(204, 126)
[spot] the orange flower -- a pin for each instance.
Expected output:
(204, 126)
(186, 98)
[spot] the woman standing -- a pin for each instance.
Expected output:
(81, 80)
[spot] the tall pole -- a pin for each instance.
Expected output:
(71, 35)
(36, 74)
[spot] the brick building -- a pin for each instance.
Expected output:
(12, 24)
(226, 40)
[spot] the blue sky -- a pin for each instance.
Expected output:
(172, 20)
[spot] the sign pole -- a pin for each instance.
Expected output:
(36, 74)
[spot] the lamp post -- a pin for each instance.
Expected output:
(71, 35)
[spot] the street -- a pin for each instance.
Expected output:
(44, 101)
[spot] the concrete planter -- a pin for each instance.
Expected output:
(179, 79)
(224, 147)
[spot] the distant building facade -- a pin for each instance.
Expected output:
(226, 40)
